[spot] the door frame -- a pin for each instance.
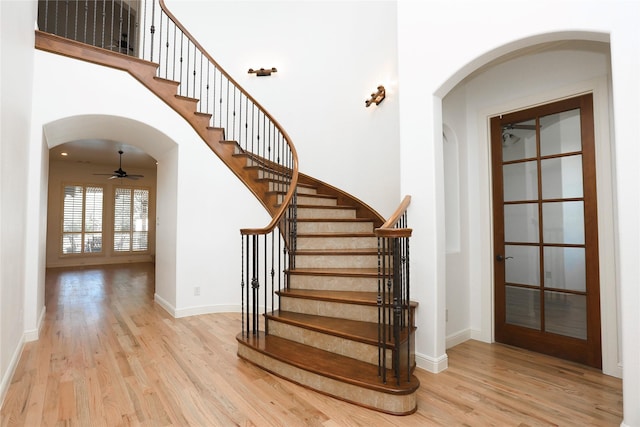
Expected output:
(586, 350)
(483, 243)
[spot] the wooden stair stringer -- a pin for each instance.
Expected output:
(145, 72)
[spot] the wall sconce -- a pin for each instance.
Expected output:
(377, 97)
(262, 71)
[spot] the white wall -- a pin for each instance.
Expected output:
(16, 74)
(330, 57)
(459, 37)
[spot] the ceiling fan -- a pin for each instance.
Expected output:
(120, 173)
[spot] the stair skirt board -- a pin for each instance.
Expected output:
(394, 404)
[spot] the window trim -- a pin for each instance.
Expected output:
(83, 231)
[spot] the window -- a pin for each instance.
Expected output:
(131, 220)
(82, 219)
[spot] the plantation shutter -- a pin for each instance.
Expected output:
(82, 219)
(131, 220)
(122, 220)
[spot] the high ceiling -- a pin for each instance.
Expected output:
(102, 152)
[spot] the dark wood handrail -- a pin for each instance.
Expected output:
(294, 154)
(388, 228)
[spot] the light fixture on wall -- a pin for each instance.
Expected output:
(376, 97)
(262, 72)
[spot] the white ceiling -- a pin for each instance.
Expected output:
(103, 153)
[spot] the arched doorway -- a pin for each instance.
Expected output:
(507, 85)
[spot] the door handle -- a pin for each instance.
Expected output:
(501, 258)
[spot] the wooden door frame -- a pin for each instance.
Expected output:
(589, 351)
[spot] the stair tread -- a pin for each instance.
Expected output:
(365, 251)
(325, 207)
(347, 272)
(335, 234)
(327, 364)
(353, 329)
(334, 219)
(349, 297)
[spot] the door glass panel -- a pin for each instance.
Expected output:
(562, 177)
(560, 133)
(522, 264)
(564, 268)
(563, 222)
(519, 141)
(565, 314)
(523, 307)
(521, 223)
(520, 181)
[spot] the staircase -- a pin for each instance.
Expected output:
(324, 335)
(337, 320)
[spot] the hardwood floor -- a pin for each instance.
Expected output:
(109, 356)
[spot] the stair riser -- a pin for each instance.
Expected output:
(310, 200)
(336, 242)
(306, 190)
(264, 174)
(330, 309)
(326, 213)
(334, 227)
(336, 261)
(367, 353)
(334, 283)
(278, 186)
(390, 403)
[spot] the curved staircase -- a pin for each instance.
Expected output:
(334, 324)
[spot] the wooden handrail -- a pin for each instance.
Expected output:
(388, 228)
(294, 154)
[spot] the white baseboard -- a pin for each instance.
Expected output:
(169, 308)
(11, 369)
(194, 310)
(458, 338)
(34, 334)
(430, 364)
(206, 309)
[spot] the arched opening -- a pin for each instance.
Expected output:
(107, 134)
(522, 74)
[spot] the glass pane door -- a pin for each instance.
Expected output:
(547, 292)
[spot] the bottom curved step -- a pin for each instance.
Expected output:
(329, 373)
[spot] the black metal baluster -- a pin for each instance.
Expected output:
(153, 29)
(186, 92)
(379, 305)
(242, 281)
(233, 127)
(95, 20)
(112, 23)
(255, 284)
(207, 91)
(266, 284)
(181, 62)
(104, 24)
(201, 104)
(86, 18)
(75, 23)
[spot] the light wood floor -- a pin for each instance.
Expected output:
(109, 356)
